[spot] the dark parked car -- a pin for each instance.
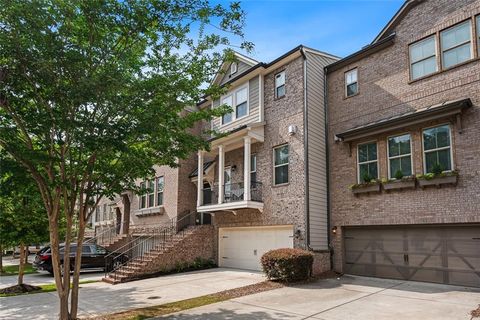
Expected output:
(93, 257)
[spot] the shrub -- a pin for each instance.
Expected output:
(398, 174)
(287, 264)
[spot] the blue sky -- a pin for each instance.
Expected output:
(339, 27)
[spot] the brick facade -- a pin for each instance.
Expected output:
(385, 90)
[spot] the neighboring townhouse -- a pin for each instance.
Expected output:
(263, 184)
(406, 110)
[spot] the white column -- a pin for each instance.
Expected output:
(247, 151)
(200, 179)
(221, 174)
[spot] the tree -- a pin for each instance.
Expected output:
(23, 219)
(94, 93)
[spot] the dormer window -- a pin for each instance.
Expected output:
(351, 83)
(233, 68)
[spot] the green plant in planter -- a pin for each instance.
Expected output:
(398, 174)
(366, 177)
(437, 169)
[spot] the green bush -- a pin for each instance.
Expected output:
(287, 264)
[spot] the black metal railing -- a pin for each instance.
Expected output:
(137, 250)
(232, 192)
(107, 235)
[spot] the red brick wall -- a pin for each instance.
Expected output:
(385, 91)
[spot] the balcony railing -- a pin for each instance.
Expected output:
(232, 192)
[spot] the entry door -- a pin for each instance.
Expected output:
(243, 247)
(448, 255)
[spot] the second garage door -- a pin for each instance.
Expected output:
(448, 255)
(243, 247)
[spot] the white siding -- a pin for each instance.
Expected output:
(241, 68)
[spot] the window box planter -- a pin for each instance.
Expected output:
(155, 211)
(365, 187)
(404, 183)
(438, 180)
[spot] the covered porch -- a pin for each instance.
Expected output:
(230, 186)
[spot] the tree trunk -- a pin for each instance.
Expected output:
(1, 258)
(21, 266)
(64, 314)
(78, 262)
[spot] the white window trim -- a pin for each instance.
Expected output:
(438, 149)
(233, 93)
(155, 191)
(345, 81)
(411, 63)
(400, 156)
(280, 165)
(233, 68)
(472, 36)
(284, 83)
(365, 162)
(477, 29)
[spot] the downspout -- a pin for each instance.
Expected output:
(305, 150)
(325, 105)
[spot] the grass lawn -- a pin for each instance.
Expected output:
(43, 288)
(13, 270)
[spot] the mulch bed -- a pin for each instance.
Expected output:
(24, 288)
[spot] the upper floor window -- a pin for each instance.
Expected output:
(367, 162)
(423, 58)
(160, 187)
(233, 68)
(143, 197)
(151, 193)
(456, 44)
(280, 84)
(105, 213)
(228, 117)
(399, 156)
(280, 164)
(437, 149)
(478, 34)
(351, 82)
(241, 103)
(97, 214)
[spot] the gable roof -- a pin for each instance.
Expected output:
(395, 20)
(240, 57)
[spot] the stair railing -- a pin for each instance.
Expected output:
(137, 249)
(108, 235)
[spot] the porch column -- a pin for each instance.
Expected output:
(221, 174)
(247, 151)
(200, 179)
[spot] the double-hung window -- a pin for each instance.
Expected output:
(280, 84)
(367, 162)
(228, 117)
(241, 103)
(456, 43)
(280, 155)
(160, 187)
(437, 148)
(151, 193)
(253, 169)
(399, 155)
(351, 82)
(143, 196)
(478, 33)
(423, 58)
(97, 214)
(105, 213)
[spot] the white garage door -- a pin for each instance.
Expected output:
(243, 247)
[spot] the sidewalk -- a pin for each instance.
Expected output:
(102, 298)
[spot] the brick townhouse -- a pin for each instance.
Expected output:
(263, 184)
(404, 130)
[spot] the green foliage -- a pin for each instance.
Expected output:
(366, 177)
(13, 270)
(431, 175)
(287, 264)
(437, 169)
(398, 174)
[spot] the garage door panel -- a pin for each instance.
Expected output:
(243, 247)
(434, 254)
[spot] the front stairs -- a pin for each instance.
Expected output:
(193, 242)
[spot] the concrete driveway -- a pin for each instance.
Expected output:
(350, 298)
(102, 298)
